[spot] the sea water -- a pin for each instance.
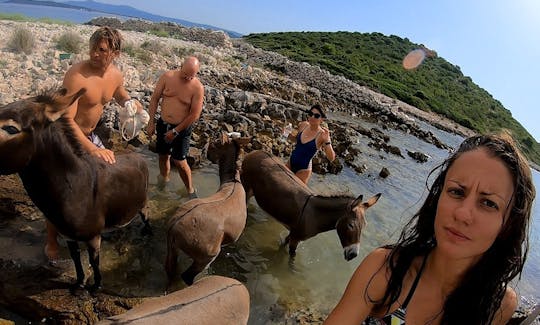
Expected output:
(70, 15)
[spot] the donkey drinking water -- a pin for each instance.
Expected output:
(285, 197)
(78, 193)
(200, 226)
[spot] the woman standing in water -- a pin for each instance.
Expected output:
(310, 138)
(454, 260)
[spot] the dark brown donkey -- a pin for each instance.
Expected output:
(285, 197)
(78, 193)
(200, 226)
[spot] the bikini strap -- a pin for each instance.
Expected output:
(415, 283)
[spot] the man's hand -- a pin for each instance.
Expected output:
(105, 154)
(138, 105)
(169, 136)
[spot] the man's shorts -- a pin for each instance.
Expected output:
(96, 140)
(179, 147)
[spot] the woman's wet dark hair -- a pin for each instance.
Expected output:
(319, 108)
(479, 295)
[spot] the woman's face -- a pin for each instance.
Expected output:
(314, 116)
(473, 205)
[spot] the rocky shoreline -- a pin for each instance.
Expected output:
(246, 90)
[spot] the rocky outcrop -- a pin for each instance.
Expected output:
(246, 89)
(207, 37)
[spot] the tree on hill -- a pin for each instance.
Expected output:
(375, 60)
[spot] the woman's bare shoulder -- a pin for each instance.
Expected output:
(508, 306)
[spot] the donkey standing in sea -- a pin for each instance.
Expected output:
(201, 226)
(78, 193)
(285, 197)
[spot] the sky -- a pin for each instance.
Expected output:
(495, 42)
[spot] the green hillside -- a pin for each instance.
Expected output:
(375, 60)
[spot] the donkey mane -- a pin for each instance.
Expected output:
(65, 127)
(46, 96)
(336, 196)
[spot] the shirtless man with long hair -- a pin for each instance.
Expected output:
(103, 81)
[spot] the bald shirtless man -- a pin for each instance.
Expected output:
(181, 95)
(103, 81)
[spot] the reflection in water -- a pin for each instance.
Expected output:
(133, 265)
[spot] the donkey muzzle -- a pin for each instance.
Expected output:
(351, 251)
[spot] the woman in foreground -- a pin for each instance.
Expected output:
(455, 258)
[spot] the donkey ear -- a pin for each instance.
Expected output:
(243, 140)
(55, 109)
(372, 200)
(224, 137)
(358, 200)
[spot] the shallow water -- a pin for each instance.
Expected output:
(133, 265)
(319, 274)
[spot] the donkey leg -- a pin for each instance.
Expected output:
(76, 257)
(171, 263)
(286, 240)
(195, 268)
(293, 243)
(146, 230)
(93, 257)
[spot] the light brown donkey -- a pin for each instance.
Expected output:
(200, 226)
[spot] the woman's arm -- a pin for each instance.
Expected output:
(368, 283)
(327, 144)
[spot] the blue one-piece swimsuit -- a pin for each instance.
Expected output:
(303, 153)
(398, 316)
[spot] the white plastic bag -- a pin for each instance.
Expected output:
(130, 122)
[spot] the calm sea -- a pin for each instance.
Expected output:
(71, 15)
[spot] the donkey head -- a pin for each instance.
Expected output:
(227, 144)
(349, 227)
(22, 120)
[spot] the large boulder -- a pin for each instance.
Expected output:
(211, 300)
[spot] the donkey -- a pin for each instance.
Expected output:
(201, 226)
(285, 197)
(78, 193)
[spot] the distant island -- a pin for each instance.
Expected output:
(47, 3)
(121, 10)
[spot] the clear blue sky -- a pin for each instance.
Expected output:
(495, 42)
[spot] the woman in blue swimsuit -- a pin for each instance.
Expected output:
(454, 260)
(310, 138)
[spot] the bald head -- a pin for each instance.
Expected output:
(190, 68)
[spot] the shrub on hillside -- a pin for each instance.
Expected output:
(69, 42)
(22, 40)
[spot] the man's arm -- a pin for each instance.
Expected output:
(73, 84)
(73, 81)
(121, 95)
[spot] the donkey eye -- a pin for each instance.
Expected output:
(350, 225)
(10, 129)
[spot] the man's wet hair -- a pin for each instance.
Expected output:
(111, 35)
